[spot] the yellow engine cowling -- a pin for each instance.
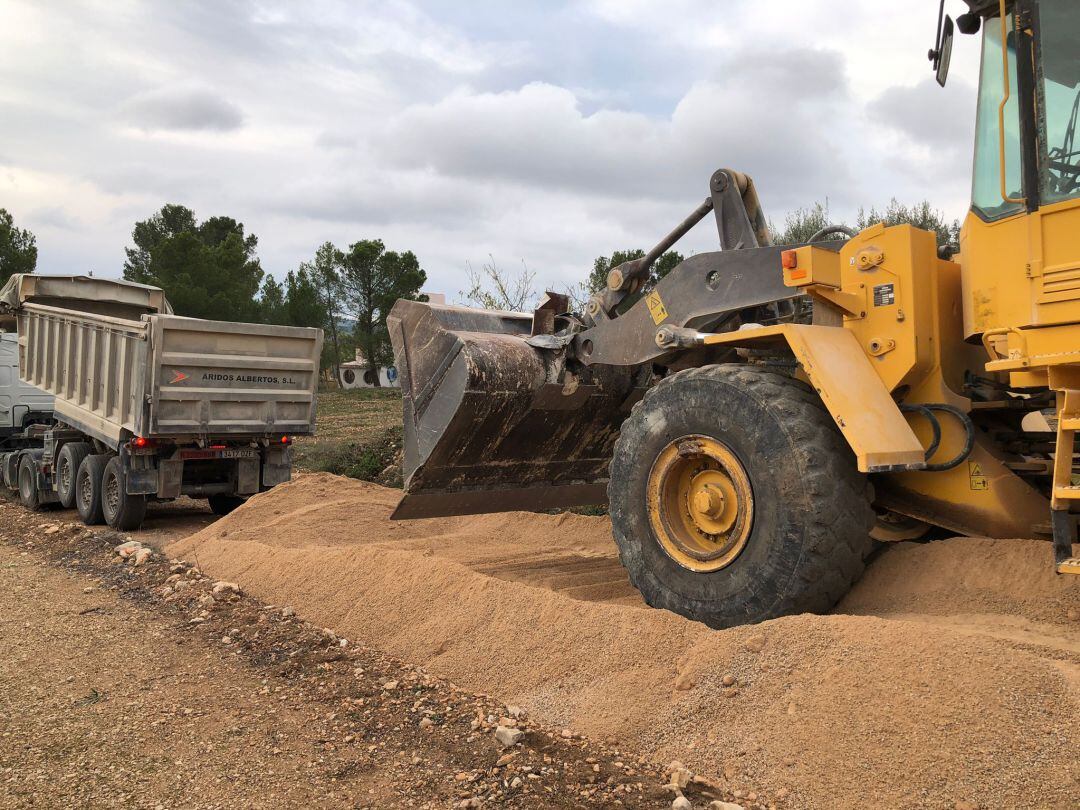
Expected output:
(904, 306)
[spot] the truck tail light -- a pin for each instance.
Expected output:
(286, 440)
(140, 442)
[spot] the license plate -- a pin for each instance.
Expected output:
(230, 452)
(245, 453)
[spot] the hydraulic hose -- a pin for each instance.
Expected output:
(969, 436)
(935, 425)
(969, 432)
(829, 230)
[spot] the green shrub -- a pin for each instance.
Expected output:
(365, 460)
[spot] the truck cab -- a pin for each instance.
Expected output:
(21, 404)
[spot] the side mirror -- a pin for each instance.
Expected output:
(944, 53)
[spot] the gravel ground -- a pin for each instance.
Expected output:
(137, 683)
(956, 682)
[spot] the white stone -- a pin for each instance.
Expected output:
(225, 588)
(508, 736)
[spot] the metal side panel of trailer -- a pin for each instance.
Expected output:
(215, 378)
(166, 376)
(94, 365)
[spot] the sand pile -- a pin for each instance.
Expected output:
(965, 575)
(968, 691)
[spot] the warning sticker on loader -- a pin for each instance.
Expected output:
(656, 307)
(976, 478)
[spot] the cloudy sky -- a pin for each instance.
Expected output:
(539, 131)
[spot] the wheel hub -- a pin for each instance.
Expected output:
(700, 503)
(112, 494)
(709, 501)
(86, 490)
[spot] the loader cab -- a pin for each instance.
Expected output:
(1020, 244)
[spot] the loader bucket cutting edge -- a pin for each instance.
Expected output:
(487, 426)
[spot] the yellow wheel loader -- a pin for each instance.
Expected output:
(759, 416)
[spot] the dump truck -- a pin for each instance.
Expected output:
(759, 417)
(148, 405)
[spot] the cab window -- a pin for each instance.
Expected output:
(1059, 100)
(986, 196)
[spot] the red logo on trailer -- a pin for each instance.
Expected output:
(178, 377)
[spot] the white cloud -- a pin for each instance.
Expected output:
(545, 132)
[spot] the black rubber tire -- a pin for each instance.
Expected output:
(122, 511)
(88, 489)
(223, 504)
(67, 467)
(11, 471)
(812, 517)
(28, 476)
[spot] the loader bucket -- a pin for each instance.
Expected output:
(486, 427)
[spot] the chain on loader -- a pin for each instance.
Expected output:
(761, 415)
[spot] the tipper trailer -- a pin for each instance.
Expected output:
(148, 405)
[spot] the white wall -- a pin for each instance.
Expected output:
(354, 377)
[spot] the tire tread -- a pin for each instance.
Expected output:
(838, 541)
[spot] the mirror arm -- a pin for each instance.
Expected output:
(936, 53)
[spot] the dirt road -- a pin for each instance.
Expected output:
(165, 522)
(137, 686)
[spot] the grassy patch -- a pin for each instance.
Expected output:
(377, 459)
(359, 435)
(355, 416)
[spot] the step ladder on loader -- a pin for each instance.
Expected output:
(1064, 490)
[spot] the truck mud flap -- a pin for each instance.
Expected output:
(488, 426)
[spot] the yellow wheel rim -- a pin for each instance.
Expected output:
(701, 508)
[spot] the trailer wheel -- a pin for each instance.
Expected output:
(223, 504)
(67, 467)
(28, 490)
(88, 489)
(11, 470)
(122, 511)
(735, 499)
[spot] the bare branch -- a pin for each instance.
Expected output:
(494, 288)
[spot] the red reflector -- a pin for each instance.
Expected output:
(789, 259)
(286, 440)
(217, 447)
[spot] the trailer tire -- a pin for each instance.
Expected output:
(28, 489)
(11, 470)
(67, 468)
(224, 504)
(748, 505)
(122, 510)
(88, 489)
